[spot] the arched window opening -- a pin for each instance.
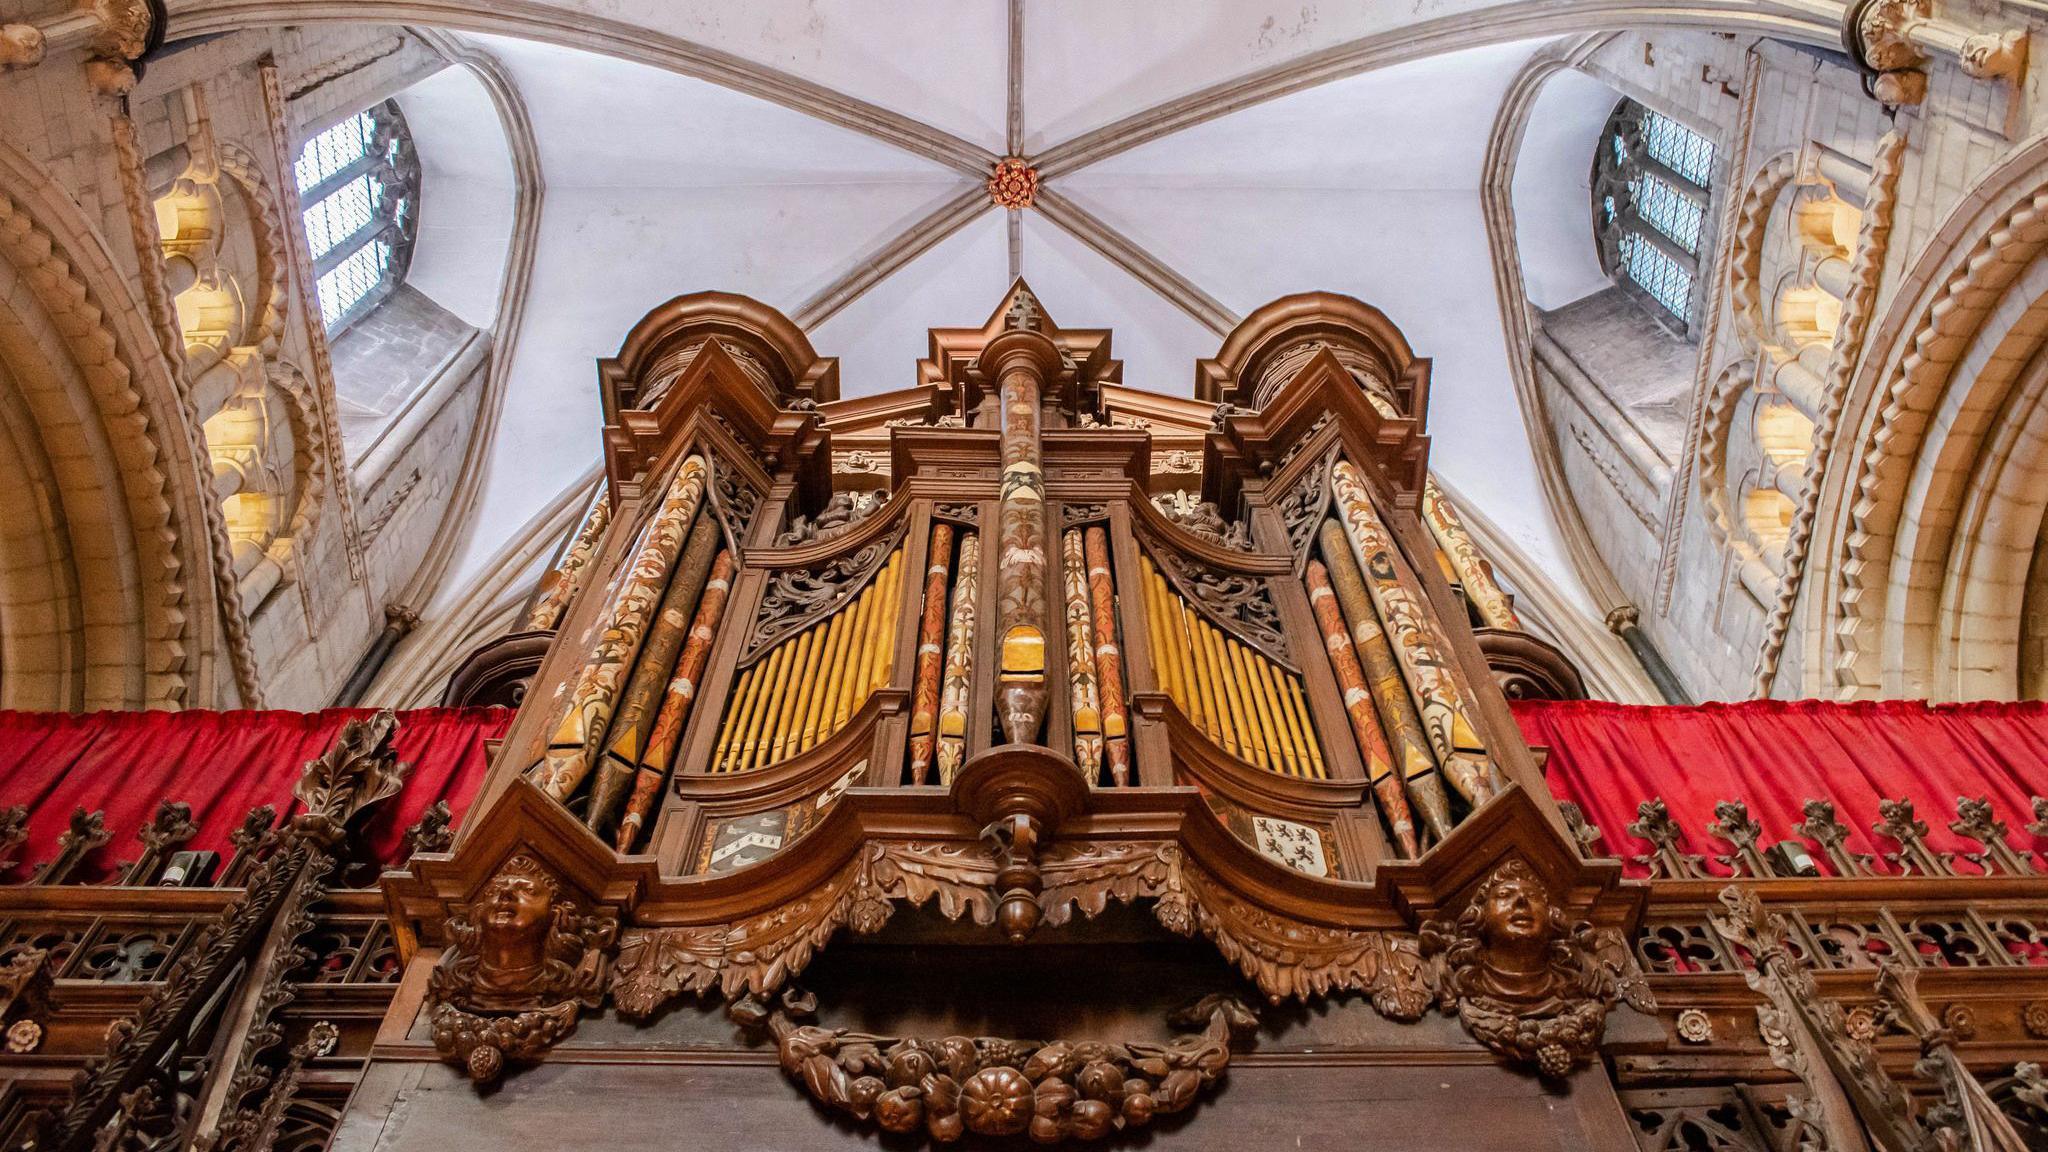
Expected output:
(1652, 185)
(359, 184)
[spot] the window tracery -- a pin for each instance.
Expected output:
(359, 181)
(1652, 186)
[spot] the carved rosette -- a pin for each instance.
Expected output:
(1523, 979)
(523, 959)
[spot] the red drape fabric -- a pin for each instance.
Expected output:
(221, 763)
(1776, 755)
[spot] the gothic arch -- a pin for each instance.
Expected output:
(107, 566)
(1934, 502)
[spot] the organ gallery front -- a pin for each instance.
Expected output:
(1018, 758)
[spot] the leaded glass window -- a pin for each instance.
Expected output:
(1652, 185)
(359, 188)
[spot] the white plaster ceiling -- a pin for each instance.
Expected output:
(1553, 192)
(467, 194)
(658, 184)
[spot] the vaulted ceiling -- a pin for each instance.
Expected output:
(850, 193)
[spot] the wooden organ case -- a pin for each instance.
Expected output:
(1021, 758)
(880, 735)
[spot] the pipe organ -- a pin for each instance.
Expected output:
(1017, 645)
(871, 731)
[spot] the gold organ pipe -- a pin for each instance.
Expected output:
(810, 684)
(817, 710)
(1270, 712)
(892, 597)
(802, 671)
(1253, 708)
(1205, 677)
(844, 690)
(726, 732)
(864, 657)
(1298, 708)
(1162, 663)
(764, 688)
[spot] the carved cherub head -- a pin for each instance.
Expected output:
(521, 943)
(514, 913)
(1511, 943)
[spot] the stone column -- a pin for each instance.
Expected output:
(1623, 623)
(1021, 360)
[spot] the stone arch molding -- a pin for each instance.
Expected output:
(1937, 498)
(102, 621)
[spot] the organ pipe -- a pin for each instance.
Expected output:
(568, 575)
(1474, 572)
(809, 685)
(956, 692)
(1109, 662)
(1248, 705)
(594, 696)
(931, 655)
(681, 693)
(1418, 645)
(1383, 681)
(1081, 676)
(627, 739)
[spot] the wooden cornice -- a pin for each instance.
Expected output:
(1235, 373)
(644, 441)
(1256, 444)
(953, 361)
(794, 370)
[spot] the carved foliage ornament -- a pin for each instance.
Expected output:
(953, 1085)
(522, 959)
(1525, 981)
(795, 597)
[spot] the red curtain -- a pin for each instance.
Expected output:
(1775, 755)
(221, 763)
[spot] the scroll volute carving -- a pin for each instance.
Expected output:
(524, 957)
(725, 360)
(1524, 979)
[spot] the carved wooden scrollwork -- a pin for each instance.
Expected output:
(1237, 603)
(734, 499)
(953, 1085)
(523, 959)
(795, 597)
(1301, 509)
(758, 955)
(840, 514)
(1287, 958)
(1204, 519)
(1524, 980)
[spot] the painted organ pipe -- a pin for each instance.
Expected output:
(1471, 568)
(1081, 675)
(1398, 719)
(809, 685)
(1358, 706)
(1109, 660)
(1421, 649)
(956, 692)
(626, 743)
(1253, 709)
(595, 693)
(681, 693)
(568, 575)
(1020, 358)
(931, 656)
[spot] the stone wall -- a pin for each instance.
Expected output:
(261, 568)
